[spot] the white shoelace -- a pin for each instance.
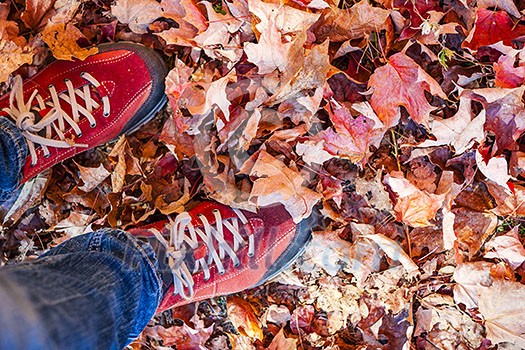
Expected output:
(56, 119)
(182, 230)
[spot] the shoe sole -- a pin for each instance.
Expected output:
(296, 248)
(157, 70)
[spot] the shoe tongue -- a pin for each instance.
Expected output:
(189, 258)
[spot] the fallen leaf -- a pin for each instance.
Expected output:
(276, 183)
(507, 5)
(472, 228)
(356, 22)
(242, 315)
(468, 277)
(504, 115)
(394, 251)
(184, 337)
(351, 136)
(508, 76)
(460, 131)
(492, 27)
(62, 39)
(508, 202)
(92, 177)
(285, 18)
(13, 56)
(278, 314)
(507, 247)
(402, 82)
(496, 169)
(138, 14)
(37, 12)
(502, 306)
(270, 53)
(280, 342)
(413, 206)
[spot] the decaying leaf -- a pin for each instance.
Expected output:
(413, 206)
(62, 39)
(356, 22)
(13, 56)
(138, 14)
(276, 183)
(460, 131)
(242, 316)
(37, 12)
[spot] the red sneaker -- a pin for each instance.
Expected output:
(72, 106)
(214, 250)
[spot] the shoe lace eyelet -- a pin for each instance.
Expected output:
(66, 80)
(222, 272)
(47, 155)
(51, 86)
(237, 265)
(82, 74)
(251, 255)
(105, 114)
(206, 279)
(94, 125)
(79, 135)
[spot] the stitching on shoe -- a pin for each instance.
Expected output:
(240, 271)
(70, 152)
(100, 61)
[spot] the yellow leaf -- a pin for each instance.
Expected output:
(243, 317)
(12, 57)
(62, 40)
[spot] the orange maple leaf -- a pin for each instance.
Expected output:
(402, 82)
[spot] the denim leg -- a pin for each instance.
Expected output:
(95, 291)
(13, 154)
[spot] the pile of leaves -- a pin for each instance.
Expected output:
(400, 120)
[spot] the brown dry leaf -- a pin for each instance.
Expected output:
(308, 71)
(137, 14)
(509, 202)
(280, 342)
(472, 228)
(504, 115)
(62, 39)
(184, 337)
(9, 29)
(37, 12)
(92, 177)
(31, 193)
(75, 224)
(413, 207)
(402, 82)
(445, 325)
(277, 183)
(219, 41)
(242, 315)
(356, 22)
(12, 57)
(507, 247)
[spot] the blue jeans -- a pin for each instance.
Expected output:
(13, 154)
(95, 291)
